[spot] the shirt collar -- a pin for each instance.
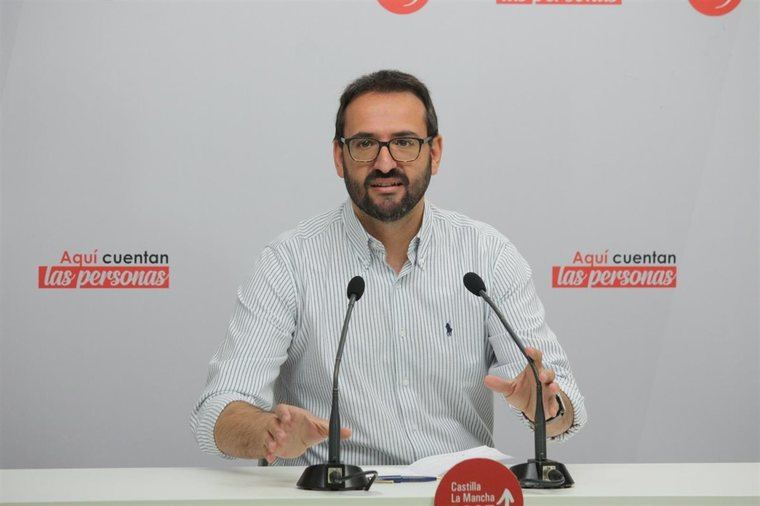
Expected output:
(357, 235)
(362, 242)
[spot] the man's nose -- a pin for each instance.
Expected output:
(384, 161)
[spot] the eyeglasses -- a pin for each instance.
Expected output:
(402, 149)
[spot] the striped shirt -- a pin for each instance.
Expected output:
(418, 346)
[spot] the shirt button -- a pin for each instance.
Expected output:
(402, 333)
(405, 382)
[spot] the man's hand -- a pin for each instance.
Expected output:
(245, 431)
(292, 430)
(521, 391)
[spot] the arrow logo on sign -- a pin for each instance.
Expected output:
(506, 495)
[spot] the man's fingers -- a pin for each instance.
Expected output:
(320, 428)
(551, 408)
(269, 447)
(499, 385)
(535, 354)
(546, 376)
(550, 390)
(279, 436)
(275, 433)
(271, 435)
(293, 430)
(283, 413)
(277, 440)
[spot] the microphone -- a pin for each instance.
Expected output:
(355, 288)
(539, 472)
(335, 475)
(474, 283)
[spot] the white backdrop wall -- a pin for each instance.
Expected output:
(202, 130)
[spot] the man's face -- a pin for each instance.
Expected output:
(385, 189)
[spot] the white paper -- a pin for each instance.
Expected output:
(437, 465)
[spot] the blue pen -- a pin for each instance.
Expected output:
(397, 478)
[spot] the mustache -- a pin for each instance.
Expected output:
(392, 174)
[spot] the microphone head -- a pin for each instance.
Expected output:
(474, 283)
(356, 287)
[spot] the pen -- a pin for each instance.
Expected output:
(396, 478)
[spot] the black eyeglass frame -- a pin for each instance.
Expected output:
(387, 144)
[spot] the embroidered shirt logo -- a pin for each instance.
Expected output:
(449, 330)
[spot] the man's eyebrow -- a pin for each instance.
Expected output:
(403, 133)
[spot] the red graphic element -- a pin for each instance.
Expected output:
(483, 482)
(714, 7)
(102, 276)
(515, 2)
(609, 276)
(403, 6)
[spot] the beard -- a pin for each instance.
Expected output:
(387, 210)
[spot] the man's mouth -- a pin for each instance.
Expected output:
(385, 184)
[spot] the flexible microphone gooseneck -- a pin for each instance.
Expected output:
(355, 291)
(335, 475)
(539, 472)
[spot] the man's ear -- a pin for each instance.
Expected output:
(338, 157)
(436, 152)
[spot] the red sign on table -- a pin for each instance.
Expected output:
(479, 482)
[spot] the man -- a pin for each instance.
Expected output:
(421, 353)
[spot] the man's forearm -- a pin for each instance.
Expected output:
(241, 430)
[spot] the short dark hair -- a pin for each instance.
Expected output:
(386, 81)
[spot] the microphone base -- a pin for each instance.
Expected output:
(542, 474)
(332, 477)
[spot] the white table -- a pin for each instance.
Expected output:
(596, 484)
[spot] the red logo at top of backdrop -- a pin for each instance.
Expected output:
(714, 7)
(479, 481)
(403, 6)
